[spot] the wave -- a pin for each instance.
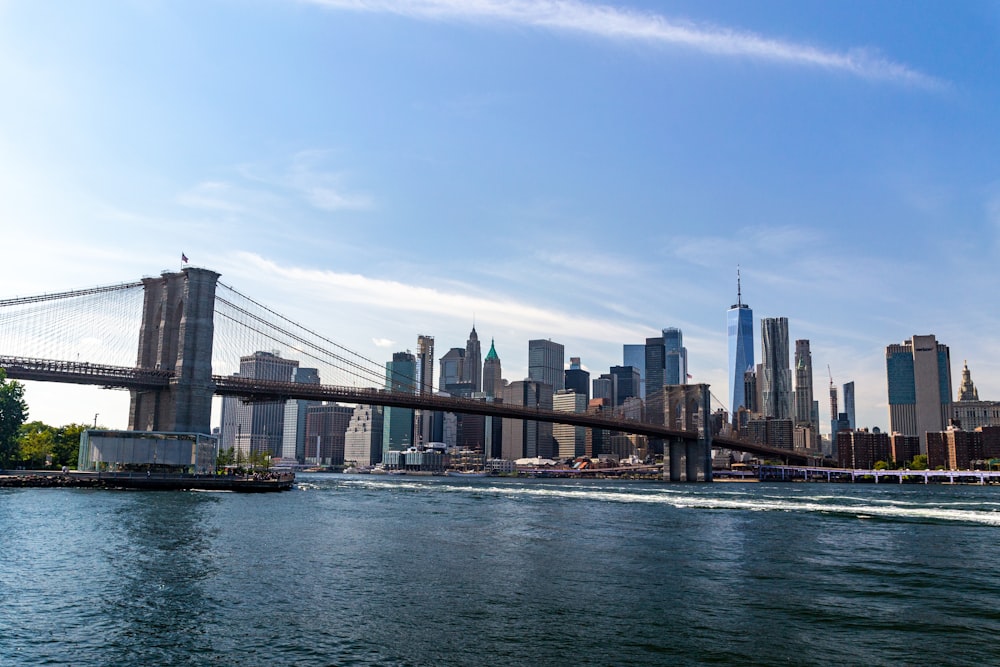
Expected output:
(851, 506)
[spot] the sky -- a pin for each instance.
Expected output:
(588, 172)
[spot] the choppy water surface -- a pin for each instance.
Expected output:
(364, 570)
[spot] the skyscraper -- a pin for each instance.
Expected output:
(363, 439)
(451, 368)
(635, 356)
(397, 423)
(675, 368)
(627, 383)
(739, 320)
(293, 437)
(570, 441)
(918, 372)
(546, 361)
(473, 361)
(527, 438)
(257, 427)
(774, 380)
(425, 385)
(492, 374)
(655, 365)
(849, 404)
(804, 385)
(578, 379)
(326, 425)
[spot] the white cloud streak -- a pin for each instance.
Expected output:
(395, 297)
(615, 23)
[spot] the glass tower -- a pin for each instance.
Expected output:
(740, 332)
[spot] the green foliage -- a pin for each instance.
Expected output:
(13, 413)
(226, 457)
(67, 445)
(38, 441)
(919, 462)
(881, 465)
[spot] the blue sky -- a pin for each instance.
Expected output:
(581, 171)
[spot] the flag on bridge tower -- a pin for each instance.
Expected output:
(184, 258)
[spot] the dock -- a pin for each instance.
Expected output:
(254, 483)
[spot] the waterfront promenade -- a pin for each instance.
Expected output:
(817, 474)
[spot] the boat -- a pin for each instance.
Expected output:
(467, 473)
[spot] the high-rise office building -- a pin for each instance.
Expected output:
(527, 438)
(627, 383)
(451, 368)
(655, 379)
(423, 419)
(473, 369)
(605, 388)
(578, 379)
(397, 423)
(546, 363)
(918, 372)
(492, 374)
(774, 379)
(804, 385)
(570, 441)
(326, 426)
(257, 427)
(675, 360)
(293, 437)
(363, 439)
(635, 356)
(739, 321)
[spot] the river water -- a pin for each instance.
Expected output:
(369, 570)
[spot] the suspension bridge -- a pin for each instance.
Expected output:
(191, 329)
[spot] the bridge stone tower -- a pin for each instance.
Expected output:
(688, 407)
(176, 335)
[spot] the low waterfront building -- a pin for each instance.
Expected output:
(431, 458)
(143, 451)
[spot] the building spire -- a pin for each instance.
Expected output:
(739, 291)
(967, 390)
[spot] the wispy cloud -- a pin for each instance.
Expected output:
(396, 297)
(383, 342)
(616, 23)
(323, 189)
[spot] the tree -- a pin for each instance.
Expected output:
(226, 458)
(35, 442)
(13, 413)
(919, 462)
(66, 449)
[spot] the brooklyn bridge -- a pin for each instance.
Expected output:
(190, 330)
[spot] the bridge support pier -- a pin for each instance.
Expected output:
(176, 335)
(676, 455)
(692, 461)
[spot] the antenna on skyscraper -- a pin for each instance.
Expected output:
(739, 293)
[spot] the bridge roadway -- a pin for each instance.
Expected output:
(140, 379)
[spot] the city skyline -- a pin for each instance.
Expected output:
(585, 172)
